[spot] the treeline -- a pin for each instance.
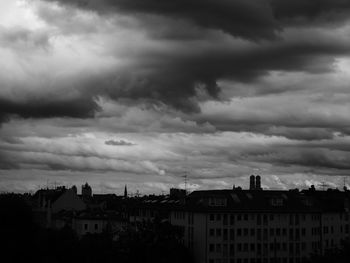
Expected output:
(23, 241)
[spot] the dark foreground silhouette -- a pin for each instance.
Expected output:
(23, 241)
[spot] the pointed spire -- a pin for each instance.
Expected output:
(125, 192)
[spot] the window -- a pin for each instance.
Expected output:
(258, 219)
(278, 232)
(211, 232)
(245, 232)
(252, 232)
(252, 247)
(239, 247)
(265, 219)
(276, 201)
(225, 219)
(232, 219)
(297, 234)
(245, 247)
(284, 231)
(217, 201)
(232, 249)
(258, 246)
(218, 232)
(218, 248)
(225, 249)
(245, 217)
(239, 232)
(211, 217)
(85, 226)
(325, 230)
(291, 232)
(225, 234)
(218, 217)
(259, 234)
(278, 246)
(284, 246)
(211, 247)
(96, 226)
(232, 234)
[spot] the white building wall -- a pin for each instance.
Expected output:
(240, 238)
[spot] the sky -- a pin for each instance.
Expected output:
(143, 92)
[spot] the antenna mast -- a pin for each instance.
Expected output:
(324, 185)
(186, 174)
(344, 187)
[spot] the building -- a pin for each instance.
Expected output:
(47, 202)
(86, 191)
(176, 193)
(250, 226)
(93, 222)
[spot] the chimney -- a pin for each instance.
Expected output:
(252, 183)
(258, 182)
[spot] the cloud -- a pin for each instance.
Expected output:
(122, 59)
(215, 88)
(248, 19)
(49, 107)
(23, 39)
(119, 143)
(243, 18)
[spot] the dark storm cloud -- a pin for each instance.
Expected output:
(48, 107)
(248, 19)
(330, 10)
(304, 157)
(119, 143)
(175, 79)
(175, 74)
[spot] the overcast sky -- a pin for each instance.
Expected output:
(141, 92)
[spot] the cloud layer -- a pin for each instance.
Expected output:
(221, 88)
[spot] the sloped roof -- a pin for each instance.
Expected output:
(268, 201)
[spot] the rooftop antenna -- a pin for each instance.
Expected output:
(324, 185)
(344, 187)
(185, 176)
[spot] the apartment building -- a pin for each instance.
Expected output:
(257, 226)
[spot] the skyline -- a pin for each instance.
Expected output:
(140, 92)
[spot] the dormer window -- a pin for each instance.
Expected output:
(276, 201)
(217, 201)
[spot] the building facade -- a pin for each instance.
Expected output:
(249, 226)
